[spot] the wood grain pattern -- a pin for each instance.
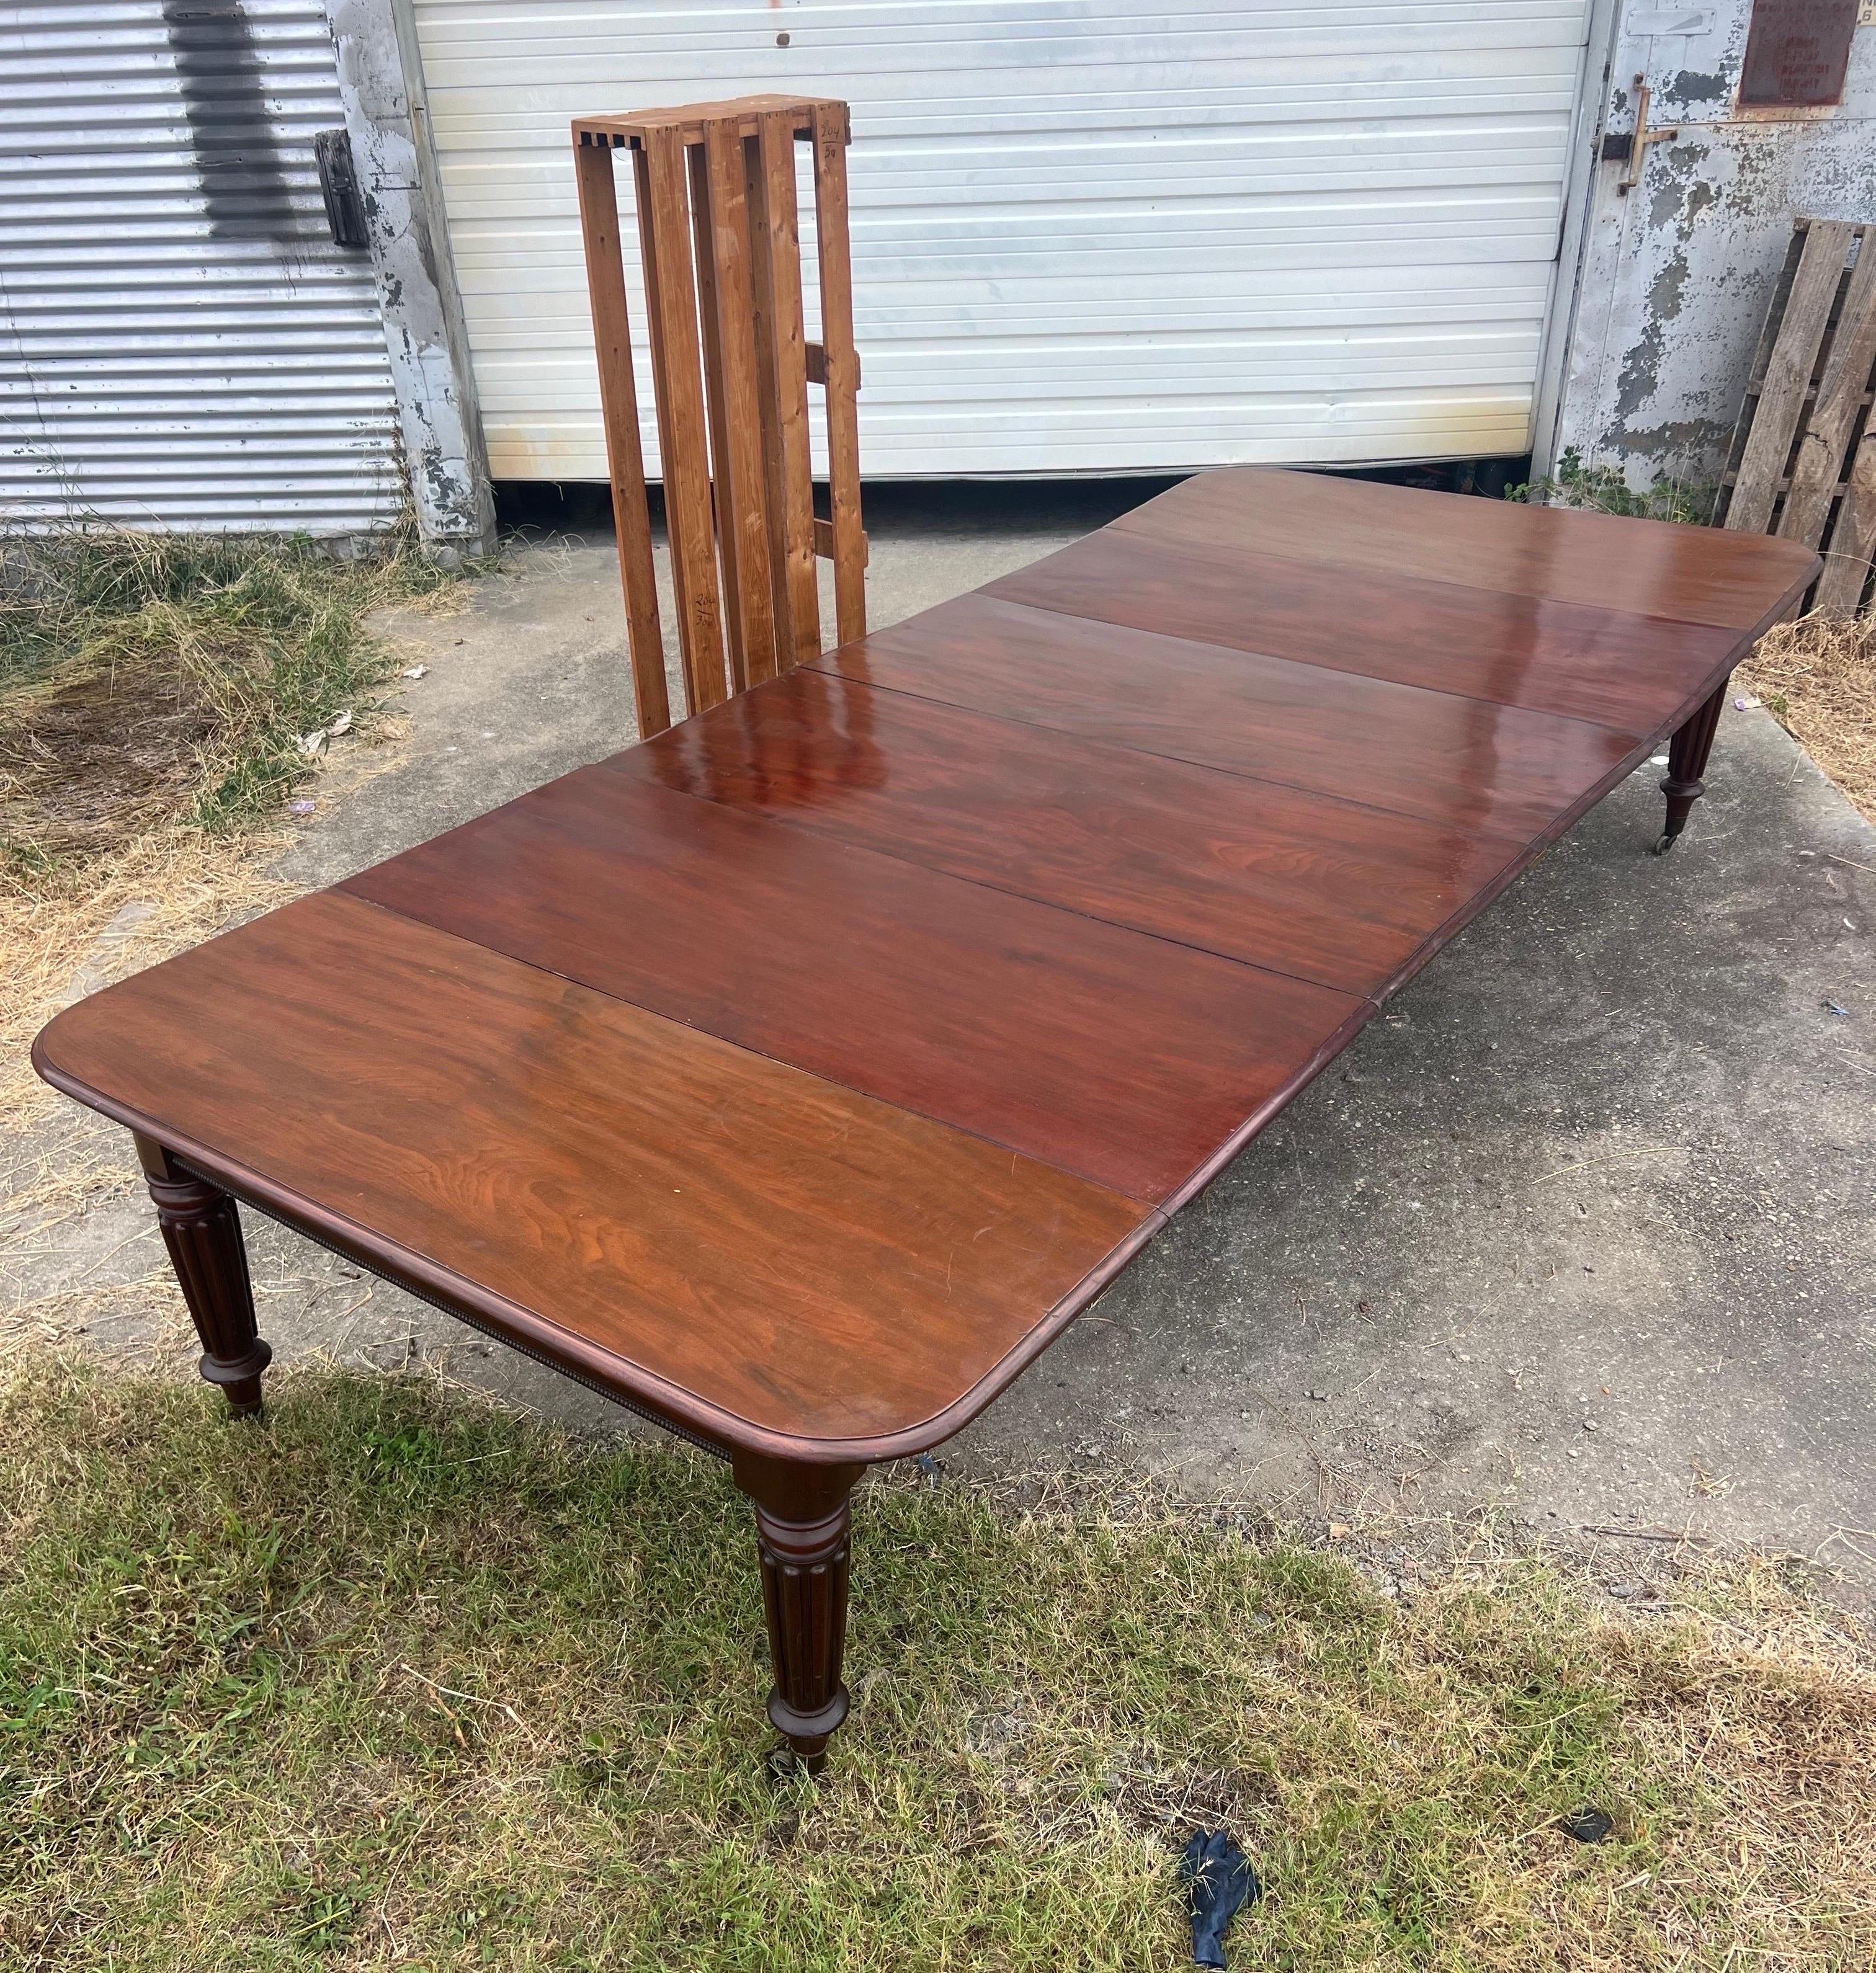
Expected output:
(840, 368)
(618, 397)
(741, 502)
(1599, 561)
(1632, 674)
(1109, 1054)
(775, 235)
(1319, 888)
(1842, 388)
(784, 1262)
(1787, 377)
(664, 229)
(808, 1146)
(1853, 540)
(1468, 764)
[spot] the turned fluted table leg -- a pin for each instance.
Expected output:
(801, 1527)
(203, 1232)
(1687, 762)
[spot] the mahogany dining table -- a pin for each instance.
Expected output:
(794, 1078)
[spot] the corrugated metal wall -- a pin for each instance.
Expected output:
(1087, 238)
(181, 344)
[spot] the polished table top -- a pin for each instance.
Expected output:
(798, 1074)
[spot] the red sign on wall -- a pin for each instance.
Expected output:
(1796, 54)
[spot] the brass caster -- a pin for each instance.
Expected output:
(786, 1768)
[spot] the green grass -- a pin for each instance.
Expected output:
(148, 681)
(399, 1679)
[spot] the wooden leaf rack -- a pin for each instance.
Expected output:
(715, 191)
(1804, 452)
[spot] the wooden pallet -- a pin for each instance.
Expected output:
(714, 192)
(1803, 462)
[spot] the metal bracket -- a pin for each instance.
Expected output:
(338, 186)
(1634, 153)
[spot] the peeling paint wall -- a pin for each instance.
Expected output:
(1676, 274)
(381, 82)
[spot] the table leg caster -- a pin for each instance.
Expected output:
(785, 1767)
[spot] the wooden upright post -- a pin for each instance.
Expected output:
(618, 398)
(841, 368)
(782, 369)
(719, 235)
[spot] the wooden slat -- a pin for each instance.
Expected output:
(1852, 545)
(741, 515)
(774, 236)
(709, 322)
(823, 542)
(664, 226)
(837, 321)
(687, 122)
(618, 395)
(763, 303)
(661, 399)
(1788, 374)
(1841, 391)
(1774, 310)
(1842, 485)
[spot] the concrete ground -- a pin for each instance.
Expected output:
(1583, 1227)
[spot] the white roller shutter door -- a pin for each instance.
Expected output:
(1086, 239)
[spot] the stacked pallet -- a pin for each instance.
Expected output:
(1803, 462)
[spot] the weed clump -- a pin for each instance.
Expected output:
(150, 682)
(1601, 488)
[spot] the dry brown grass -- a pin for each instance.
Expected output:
(157, 895)
(153, 692)
(1818, 679)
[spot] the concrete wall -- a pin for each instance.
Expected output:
(1675, 276)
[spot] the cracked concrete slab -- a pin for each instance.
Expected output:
(1582, 1227)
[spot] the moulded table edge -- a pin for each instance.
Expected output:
(630, 1383)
